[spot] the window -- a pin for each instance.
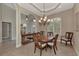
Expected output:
(34, 28)
(55, 25)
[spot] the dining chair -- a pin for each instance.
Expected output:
(67, 38)
(38, 44)
(53, 43)
(42, 32)
(23, 38)
(49, 33)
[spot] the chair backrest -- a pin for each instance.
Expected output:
(69, 35)
(34, 37)
(42, 32)
(49, 33)
(55, 39)
(37, 38)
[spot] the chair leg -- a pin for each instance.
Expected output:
(46, 48)
(34, 49)
(50, 47)
(66, 43)
(40, 52)
(61, 40)
(54, 50)
(70, 43)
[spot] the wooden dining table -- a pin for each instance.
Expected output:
(46, 38)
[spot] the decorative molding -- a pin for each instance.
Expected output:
(47, 10)
(54, 8)
(35, 7)
(27, 12)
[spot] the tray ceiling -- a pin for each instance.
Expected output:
(50, 8)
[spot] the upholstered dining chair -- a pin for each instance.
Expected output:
(53, 43)
(67, 38)
(38, 44)
(49, 33)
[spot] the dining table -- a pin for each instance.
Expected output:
(47, 38)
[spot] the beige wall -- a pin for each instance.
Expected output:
(67, 23)
(76, 25)
(70, 22)
(67, 20)
(0, 11)
(0, 25)
(8, 15)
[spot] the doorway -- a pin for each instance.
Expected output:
(6, 31)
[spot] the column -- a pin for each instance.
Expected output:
(0, 31)
(18, 26)
(0, 23)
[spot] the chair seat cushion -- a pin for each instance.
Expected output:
(42, 45)
(50, 43)
(65, 39)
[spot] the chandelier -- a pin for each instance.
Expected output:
(44, 20)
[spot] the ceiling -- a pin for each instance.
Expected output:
(50, 8)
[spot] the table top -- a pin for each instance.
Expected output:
(46, 38)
